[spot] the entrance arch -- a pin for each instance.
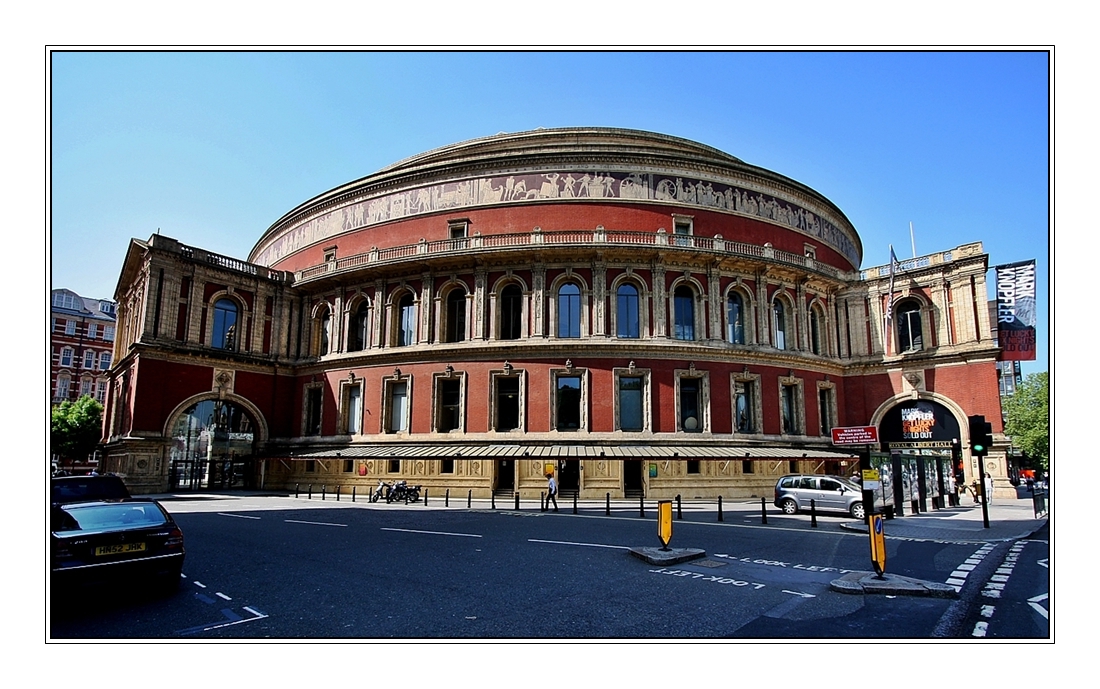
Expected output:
(212, 442)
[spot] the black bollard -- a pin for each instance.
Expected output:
(296, 486)
(309, 495)
(425, 497)
(493, 500)
(575, 501)
(763, 510)
(517, 499)
(353, 493)
(323, 489)
(609, 504)
(469, 498)
(813, 514)
(447, 498)
(719, 508)
(679, 508)
(641, 506)
(338, 493)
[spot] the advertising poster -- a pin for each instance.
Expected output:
(1016, 311)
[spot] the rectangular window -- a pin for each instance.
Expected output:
(70, 327)
(745, 405)
(66, 357)
(311, 466)
(747, 466)
(354, 406)
(792, 466)
(85, 387)
(447, 466)
(395, 466)
(399, 407)
(682, 230)
(450, 405)
(64, 301)
(630, 403)
(568, 403)
(691, 420)
(693, 466)
(93, 331)
(109, 333)
(786, 408)
(63, 388)
(349, 466)
(825, 407)
(104, 361)
(89, 359)
(101, 391)
(507, 404)
(313, 411)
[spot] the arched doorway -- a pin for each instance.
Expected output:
(212, 447)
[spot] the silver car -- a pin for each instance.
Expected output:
(833, 493)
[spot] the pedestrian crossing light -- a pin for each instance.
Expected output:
(981, 436)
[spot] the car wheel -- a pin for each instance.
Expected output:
(789, 506)
(857, 510)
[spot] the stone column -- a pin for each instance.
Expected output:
(660, 301)
(599, 299)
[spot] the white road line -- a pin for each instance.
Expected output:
(258, 614)
(199, 584)
(1034, 603)
(799, 593)
(230, 624)
(437, 533)
(238, 516)
(589, 545)
(219, 594)
(295, 521)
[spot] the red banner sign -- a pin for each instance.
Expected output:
(855, 435)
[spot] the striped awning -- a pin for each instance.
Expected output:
(521, 451)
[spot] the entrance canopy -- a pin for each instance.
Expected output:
(519, 451)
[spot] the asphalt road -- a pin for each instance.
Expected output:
(278, 568)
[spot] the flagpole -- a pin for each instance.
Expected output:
(912, 240)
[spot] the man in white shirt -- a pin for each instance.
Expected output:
(551, 492)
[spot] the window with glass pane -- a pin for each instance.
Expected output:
(825, 404)
(104, 360)
(569, 311)
(909, 328)
(815, 332)
(456, 316)
(684, 313)
(787, 408)
(569, 403)
(450, 395)
(225, 325)
(743, 404)
(360, 324)
(66, 357)
(507, 404)
(511, 312)
(89, 359)
(70, 327)
(101, 391)
(63, 387)
(407, 314)
(780, 316)
(326, 324)
(627, 312)
(85, 387)
(630, 404)
(313, 411)
(355, 409)
(109, 333)
(398, 407)
(690, 418)
(735, 319)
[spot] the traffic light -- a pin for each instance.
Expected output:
(981, 436)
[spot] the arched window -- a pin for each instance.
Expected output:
(511, 312)
(325, 323)
(779, 316)
(683, 307)
(910, 337)
(406, 321)
(456, 316)
(627, 311)
(569, 311)
(225, 325)
(359, 334)
(735, 319)
(816, 333)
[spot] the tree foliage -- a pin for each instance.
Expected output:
(1028, 412)
(75, 428)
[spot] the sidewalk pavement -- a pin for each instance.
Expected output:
(1009, 520)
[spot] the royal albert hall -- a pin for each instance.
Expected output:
(641, 314)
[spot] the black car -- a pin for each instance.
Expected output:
(103, 541)
(66, 489)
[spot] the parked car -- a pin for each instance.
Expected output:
(829, 493)
(102, 541)
(66, 489)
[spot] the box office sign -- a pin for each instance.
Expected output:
(922, 423)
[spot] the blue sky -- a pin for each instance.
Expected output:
(212, 147)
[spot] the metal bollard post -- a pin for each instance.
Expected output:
(609, 504)
(323, 489)
(813, 514)
(641, 506)
(353, 493)
(763, 510)
(575, 501)
(517, 499)
(679, 508)
(338, 493)
(425, 497)
(447, 498)
(544, 503)
(719, 508)
(469, 498)
(309, 495)
(296, 486)
(493, 500)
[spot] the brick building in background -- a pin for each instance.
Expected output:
(639, 313)
(82, 335)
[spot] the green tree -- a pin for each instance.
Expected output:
(1028, 413)
(75, 428)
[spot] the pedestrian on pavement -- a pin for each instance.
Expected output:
(974, 490)
(988, 489)
(551, 491)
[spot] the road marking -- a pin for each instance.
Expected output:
(980, 629)
(219, 594)
(799, 593)
(1034, 603)
(589, 545)
(1045, 562)
(437, 533)
(295, 521)
(199, 584)
(238, 516)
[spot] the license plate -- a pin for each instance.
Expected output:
(120, 548)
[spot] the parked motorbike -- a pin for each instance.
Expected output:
(401, 491)
(380, 491)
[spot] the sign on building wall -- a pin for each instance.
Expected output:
(1016, 310)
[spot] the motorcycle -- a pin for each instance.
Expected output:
(380, 491)
(402, 491)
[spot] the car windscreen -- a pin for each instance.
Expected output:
(120, 515)
(88, 488)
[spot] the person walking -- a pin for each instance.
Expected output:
(988, 489)
(551, 491)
